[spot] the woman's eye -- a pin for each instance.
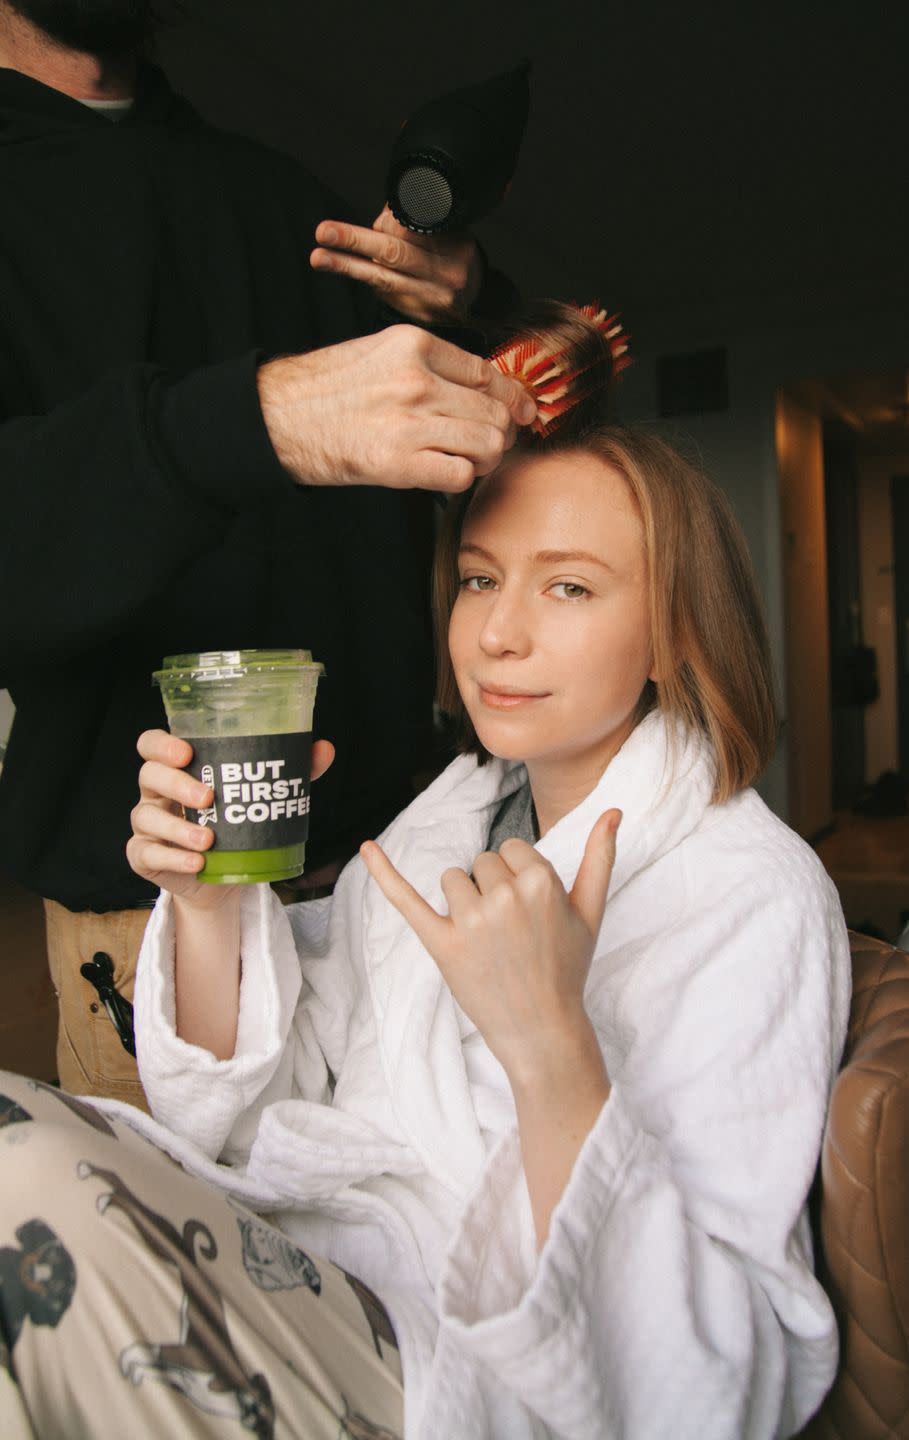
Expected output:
(477, 582)
(570, 590)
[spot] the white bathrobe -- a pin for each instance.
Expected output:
(675, 1294)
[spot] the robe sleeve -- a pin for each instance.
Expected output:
(217, 1104)
(674, 1294)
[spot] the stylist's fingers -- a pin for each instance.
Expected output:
(443, 242)
(423, 277)
(392, 285)
(379, 260)
(438, 470)
(429, 248)
(393, 248)
(389, 245)
(452, 363)
(368, 412)
(483, 445)
(457, 402)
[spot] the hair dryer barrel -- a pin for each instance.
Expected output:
(453, 160)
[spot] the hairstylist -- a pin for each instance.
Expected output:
(152, 269)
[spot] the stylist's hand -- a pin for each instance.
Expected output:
(429, 278)
(166, 849)
(515, 948)
(402, 409)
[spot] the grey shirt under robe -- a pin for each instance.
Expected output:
(516, 819)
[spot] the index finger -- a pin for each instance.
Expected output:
(386, 222)
(394, 250)
(445, 244)
(451, 363)
(427, 924)
(161, 745)
(159, 781)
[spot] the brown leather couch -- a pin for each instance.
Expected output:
(863, 1208)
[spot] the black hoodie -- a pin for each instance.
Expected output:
(146, 267)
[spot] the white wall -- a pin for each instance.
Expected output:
(767, 348)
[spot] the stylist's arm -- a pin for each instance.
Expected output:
(402, 409)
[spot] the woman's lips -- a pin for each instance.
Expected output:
(507, 698)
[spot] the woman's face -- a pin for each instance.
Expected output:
(550, 634)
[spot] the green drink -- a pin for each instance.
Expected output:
(248, 716)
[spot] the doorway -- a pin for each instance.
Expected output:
(843, 454)
(899, 511)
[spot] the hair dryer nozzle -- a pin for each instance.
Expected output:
(453, 160)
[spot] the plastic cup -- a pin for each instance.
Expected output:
(248, 716)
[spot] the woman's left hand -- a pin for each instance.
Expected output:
(515, 948)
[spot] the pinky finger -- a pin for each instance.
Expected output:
(153, 860)
(436, 470)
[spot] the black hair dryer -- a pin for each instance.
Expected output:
(453, 160)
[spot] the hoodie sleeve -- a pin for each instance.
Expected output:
(217, 1104)
(674, 1294)
(111, 494)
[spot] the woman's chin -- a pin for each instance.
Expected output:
(501, 745)
(503, 752)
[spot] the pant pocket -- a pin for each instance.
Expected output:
(91, 1059)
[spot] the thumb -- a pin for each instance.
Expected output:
(388, 225)
(588, 894)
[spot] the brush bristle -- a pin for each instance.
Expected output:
(544, 375)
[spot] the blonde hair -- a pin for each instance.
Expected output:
(710, 649)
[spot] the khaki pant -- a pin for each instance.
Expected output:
(136, 1301)
(90, 1058)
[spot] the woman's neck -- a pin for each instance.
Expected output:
(26, 48)
(559, 785)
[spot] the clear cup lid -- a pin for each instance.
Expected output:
(233, 664)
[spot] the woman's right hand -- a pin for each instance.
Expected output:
(165, 848)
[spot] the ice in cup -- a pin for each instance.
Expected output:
(248, 716)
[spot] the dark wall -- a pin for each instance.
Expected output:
(676, 154)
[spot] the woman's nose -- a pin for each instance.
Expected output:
(505, 630)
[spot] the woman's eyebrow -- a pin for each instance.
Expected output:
(542, 557)
(468, 549)
(558, 557)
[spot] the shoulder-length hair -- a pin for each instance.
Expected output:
(710, 647)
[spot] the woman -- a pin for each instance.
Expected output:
(568, 1142)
